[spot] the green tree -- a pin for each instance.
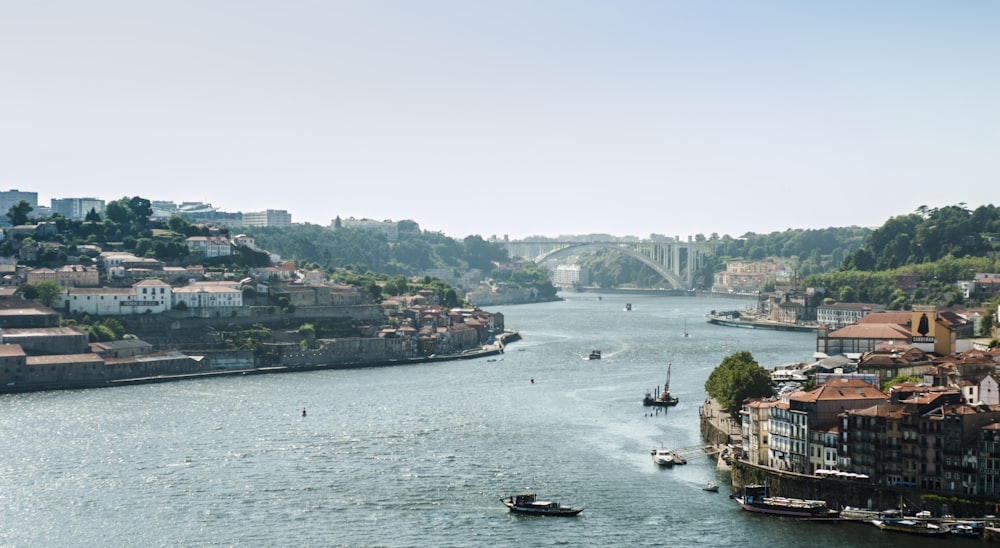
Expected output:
(737, 378)
(115, 326)
(118, 211)
(48, 292)
(18, 213)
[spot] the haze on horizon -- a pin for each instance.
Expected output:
(513, 118)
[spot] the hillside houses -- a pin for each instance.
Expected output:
(937, 435)
(70, 275)
(209, 246)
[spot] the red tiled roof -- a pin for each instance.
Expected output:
(879, 331)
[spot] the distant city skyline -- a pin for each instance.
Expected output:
(519, 118)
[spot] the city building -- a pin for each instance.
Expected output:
(570, 275)
(751, 276)
(144, 297)
(77, 208)
(838, 315)
(67, 275)
(209, 246)
(10, 198)
(208, 295)
(389, 229)
(270, 218)
(798, 414)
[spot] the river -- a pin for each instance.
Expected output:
(415, 455)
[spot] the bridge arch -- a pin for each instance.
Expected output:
(554, 255)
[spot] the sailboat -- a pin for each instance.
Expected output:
(661, 399)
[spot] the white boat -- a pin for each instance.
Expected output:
(663, 457)
(667, 457)
(711, 486)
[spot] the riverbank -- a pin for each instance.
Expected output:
(736, 319)
(495, 348)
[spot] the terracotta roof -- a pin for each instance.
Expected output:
(840, 389)
(56, 359)
(42, 332)
(879, 331)
(881, 410)
(893, 317)
(7, 350)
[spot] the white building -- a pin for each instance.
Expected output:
(209, 295)
(570, 275)
(210, 246)
(145, 297)
(840, 315)
(271, 217)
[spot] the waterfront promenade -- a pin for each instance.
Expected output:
(720, 430)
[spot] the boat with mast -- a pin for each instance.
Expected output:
(661, 399)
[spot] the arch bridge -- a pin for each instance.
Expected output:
(674, 260)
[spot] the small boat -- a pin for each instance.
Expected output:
(966, 529)
(755, 499)
(628, 307)
(912, 526)
(711, 487)
(663, 457)
(527, 503)
(594, 355)
(661, 399)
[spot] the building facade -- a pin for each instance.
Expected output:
(272, 217)
(145, 297)
(77, 208)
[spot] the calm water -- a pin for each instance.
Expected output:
(406, 456)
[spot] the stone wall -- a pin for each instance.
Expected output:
(357, 350)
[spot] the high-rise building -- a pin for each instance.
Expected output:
(77, 208)
(271, 217)
(12, 197)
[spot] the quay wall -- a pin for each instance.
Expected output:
(89, 371)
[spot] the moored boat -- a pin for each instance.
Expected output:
(912, 526)
(966, 529)
(755, 499)
(527, 503)
(663, 457)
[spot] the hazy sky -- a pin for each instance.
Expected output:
(510, 117)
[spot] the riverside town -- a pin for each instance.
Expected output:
(894, 423)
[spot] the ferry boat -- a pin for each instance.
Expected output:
(527, 503)
(755, 499)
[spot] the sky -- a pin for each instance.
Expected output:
(510, 118)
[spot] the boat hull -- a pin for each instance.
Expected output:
(778, 510)
(562, 511)
(650, 402)
(909, 527)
